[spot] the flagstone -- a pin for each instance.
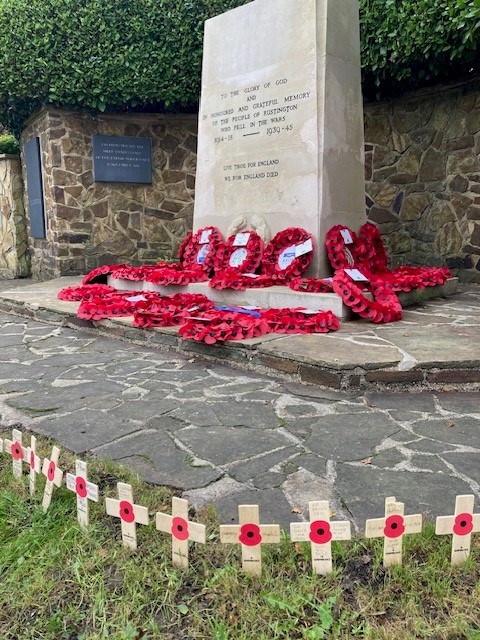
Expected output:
(249, 469)
(466, 463)
(460, 402)
(408, 401)
(462, 430)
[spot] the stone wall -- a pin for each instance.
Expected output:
(14, 255)
(89, 224)
(422, 170)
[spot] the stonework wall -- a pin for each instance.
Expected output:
(89, 224)
(14, 255)
(422, 170)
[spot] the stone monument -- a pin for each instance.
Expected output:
(281, 119)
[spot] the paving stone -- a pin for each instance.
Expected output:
(429, 446)
(274, 508)
(363, 491)
(85, 430)
(223, 445)
(430, 463)
(165, 463)
(465, 463)
(456, 431)
(145, 410)
(249, 469)
(365, 431)
(233, 413)
(309, 461)
(424, 402)
(460, 402)
(387, 459)
(68, 398)
(405, 416)
(268, 480)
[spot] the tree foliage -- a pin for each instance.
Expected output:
(146, 54)
(410, 43)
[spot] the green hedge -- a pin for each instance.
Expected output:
(411, 43)
(131, 54)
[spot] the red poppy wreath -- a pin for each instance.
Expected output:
(241, 251)
(384, 307)
(288, 255)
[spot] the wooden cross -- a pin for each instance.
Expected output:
(251, 535)
(128, 512)
(320, 532)
(85, 491)
(18, 452)
(1, 445)
(460, 526)
(181, 529)
(34, 462)
(392, 528)
(54, 476)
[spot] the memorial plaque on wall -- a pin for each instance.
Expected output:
(122, 159)
(36, 207)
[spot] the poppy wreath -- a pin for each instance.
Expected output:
(243, 258)
(85, 292)
(113, 305)
(232, 279)
(311, 285)
(167, 276)
(219, 326)
(385, 306)
(374, 257)
(134, 274)
(279, 259)
(300, 321)
(197, 264)
(343, 255)
(100, 274)
(170, 311)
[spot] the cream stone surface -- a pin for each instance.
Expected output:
(280, 123)
(14, 255)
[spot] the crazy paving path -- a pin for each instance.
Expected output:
(231, 437)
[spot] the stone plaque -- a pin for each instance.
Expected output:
(281, 118)
(122, 159)
(36, 207)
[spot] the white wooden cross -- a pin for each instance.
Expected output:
(18, 452)
(460, 526)
(34, 462)
(181, 529)
(250, 534)
(54, 476)
(320, 532)
(392, 528)
(85, 491)
(129, 513)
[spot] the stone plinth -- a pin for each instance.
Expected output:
(280, 123)
(14, 255)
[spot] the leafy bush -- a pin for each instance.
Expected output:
(410, 43)
(146, 54)
(98, 54)
(8, 144)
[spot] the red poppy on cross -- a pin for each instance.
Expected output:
(181, 529)
(18, 452)
(85, 491)
(392, 528)
(129, 513)
(460, 526)
(320, 532)
(34, 463)
(54, 476)
(251, 535)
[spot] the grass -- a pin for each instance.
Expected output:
(58, 583)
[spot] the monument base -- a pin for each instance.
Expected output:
(267, 298)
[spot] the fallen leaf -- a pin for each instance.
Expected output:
(298, 547)
(296, 510)
(450, 423)
(367, 461)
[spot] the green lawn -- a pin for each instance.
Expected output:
(58, 583)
